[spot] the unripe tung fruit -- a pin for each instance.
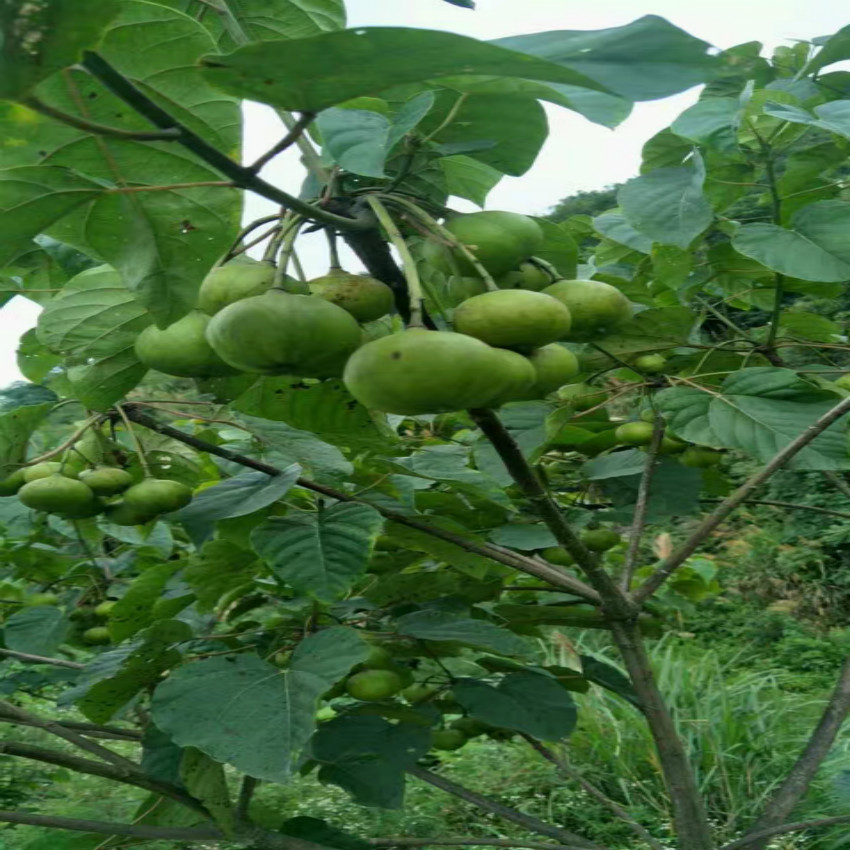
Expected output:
(57, 494)
(513, 318)
(600, 539)
(102, 610)
(582, 396)
(378, 658)
(36, 599)
(96, 636)
(12, 483)
(181, 349)
(106, 480)
(653, 364)
(698, 457)
(470, 727)
(596, 308)
(635, 433)
(527, 276)
(557, 555)
(119, 514)
(364, 297)
(448, 739)
(518, 374)
(47, 468)
(419, 693)
(671, 446)
(155, 496)
(282, 334)
(418, 371)
(241, 278)
(553, 365)
(373, 685)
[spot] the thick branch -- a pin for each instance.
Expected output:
(506, 812)
(467, 842)
(782, 803)
(92, 730)
(241, 176)
(749, 840)
(533, 566)
(41, 659)
(729, 504)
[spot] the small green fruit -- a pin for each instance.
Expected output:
(447, 739)
(553, 365)
(96, 636)
(557, 555)
(596, 308)
(600, 539)
(36, 599)
(470, 727)
(419, 692)
(652, 364)
(181, 349)
(527, 276)
(364, 297)
(648, 414)
(47, 468)
(373, 685)
(155, 496)
(12, 483)
(582, 396)
(102, 610)
(106, 480)
(282, 334)
(57, 494)
(671, 446)
(516, 373)
(119, 513)
(699, 457)
(513, 318)
(241, 278)
(635, 433)
(378, 658)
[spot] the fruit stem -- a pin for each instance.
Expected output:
(332, 250)
(449, 237)
(411, 273)
(288, 238)
(553, 273)
(69, 443)
(135, 440)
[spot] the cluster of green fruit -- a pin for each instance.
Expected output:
(504, 346)
(245, 323)
(75, 488)
(88, 622)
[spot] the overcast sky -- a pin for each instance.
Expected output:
(578, 155)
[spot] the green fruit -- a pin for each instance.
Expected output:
(553, 365)
(364, 297)
(96, 636)
(843, 382)
(527, 276)
(102, 610)
(648, 414)
(596, 308)
(500, 241)
(447, 739)
(106, 480)
(181, 349)
(635, 433)
(417, 371)
(600, 539)
(652, 364)
(519, 377)
(36, 599)
(377, 658)
(469, 727)
(373, 685)
(582, 396)
(459, 288)
(120, 514)
(419, 693)
(47, 468)
(282, 334)
(557, 555)
(241, 278)
(513, 318)
(12, 483)
(671, 446)
(57, 494)
(598, 443)
(699, 457)
(155, 496)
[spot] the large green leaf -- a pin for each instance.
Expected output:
(668, 204)
(526, 702)
(443, 626)
(651, 330)
(22, 409)
(833, 116)
(319, 554)
(836, 49)
(710, 121)
(615, 226)
(38, 38)
(134, 610)
(204, 779)
(469, 178)
(99, 384)
(814, 248)
(758, 410)
(220, 566)
(269, 20)
(305, 76)
(39, 630)
(242, 711)
(646, 59)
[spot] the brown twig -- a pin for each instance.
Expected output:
(159, 833)
(287, 141)
(749, 840)
(41, 659)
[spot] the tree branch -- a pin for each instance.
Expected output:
(749, 840)
(791, 505)
(246, 792)
(671, 564)
(506, 812)
(537, 567)
(783, 801)
(287, 141)
(467, 842)
(241, 176)
(92, 730)
(41, 659)
(593, 791)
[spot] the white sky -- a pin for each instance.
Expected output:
(578, 155)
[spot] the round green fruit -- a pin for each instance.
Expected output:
(181, 349)
(378, 658)
(598, 443)
(671, 446)
(553, 365)
(102, 610)
(96, 636)
(155, 496)
(364, 297)
(582, 396)
(527, 276)
(698, 457)
(419, 693)
(47, 468)
(57, 494)
(418, 371)
(652, 364)
(635, 433)
(518, 374)
(373, 685)
(469, 727)
(460, 288)
(36, 599)
(447, 739)
(557, 555)
(648, 414)
(282, 334)
(843, 382)
(106, 480)
(119, 513)
(12, 483)
(600, 539)
(513, 318)
(596, 308)
(500, 241)
(241, 278)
